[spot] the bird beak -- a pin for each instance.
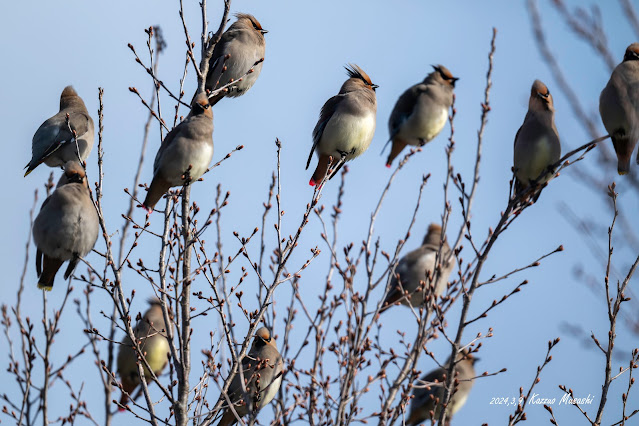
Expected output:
(374, 86)
(263, 31)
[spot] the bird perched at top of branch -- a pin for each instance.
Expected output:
(185, 153)
(429, 395)
(150, 332)
(66, 227)
(413, 270)
(537, 145)
(346, 124)
(619, 107)
(421, 111)
(261, 376)
(241, 46)
(53, 143)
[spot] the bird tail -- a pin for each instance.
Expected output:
(123, 400)
(227, 419)
(50, 268)
(396, 148)
(158, 188)
(320, 170)
(623, 147)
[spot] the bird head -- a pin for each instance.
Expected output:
(540, 97)
(442, 75)
(201, 105)
(248, 21)
(73, 173)
(632, 53)
(357, 79)
(433, 235)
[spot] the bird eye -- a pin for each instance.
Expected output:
(256, 27)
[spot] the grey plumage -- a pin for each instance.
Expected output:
(240, 47)
(619, 107)
(53, 142)
(346, 124)
(261, 373)
(421, 111)
(414, 268)
(537, 145)
(185, 153)
(66, 227)
(151, 334)
(429, 395)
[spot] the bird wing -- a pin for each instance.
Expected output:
(168, 141)
(53, 133)
(403, 109)
(326, 113)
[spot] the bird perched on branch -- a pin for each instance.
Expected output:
(417, 269)
(421, 112)
(185, 153)
(346, 124)
(259, 380)
(619, 107)
(151, 335)
(428, 396)
(66, 227)
(238, 52)
(537, 145)
(55, 142)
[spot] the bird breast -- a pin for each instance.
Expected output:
(541, 157)
(347, 133)
(425, 122)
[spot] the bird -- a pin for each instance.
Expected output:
(346, 124)
(261, 373)
(421, 111)
(242, 45)
(185, 153)
(151, 334)
(427, 398)
(66, 227)
(53, 143)
(537, 146)
(619, 107)
(414, 268)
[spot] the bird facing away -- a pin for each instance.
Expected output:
(421, 112)
(151, 335)
(427, 398)
(185, 153)
(537, 144)
(619, 107)
(414, 268)
(346, 124)
(53, 142)
(240, 47)
(66, 227)
(261, 373)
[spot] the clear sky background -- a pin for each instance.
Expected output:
(48, 45)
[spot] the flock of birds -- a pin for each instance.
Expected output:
(67, 226)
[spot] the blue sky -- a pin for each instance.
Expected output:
(85, 44)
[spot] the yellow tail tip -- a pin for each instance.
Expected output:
(28, 172)
(621, 172)
(45, 287)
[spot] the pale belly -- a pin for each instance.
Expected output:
(347, 134)
(532, 167)
(422, 126)
(199, 161)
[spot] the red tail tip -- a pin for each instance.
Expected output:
(148, 209)
(120, 410)
(312, 182)
(388, 165)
